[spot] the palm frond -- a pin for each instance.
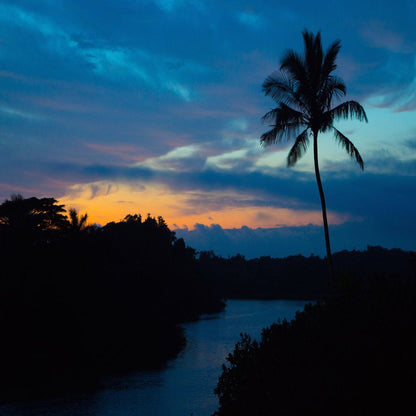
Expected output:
(276, 84)
(281, 88)
(83, 221)
(313, 57)
(77, 222)
(333, 86)
(337, 86)
(278, 132)
(299, 148)
(349, 147)
(283, 114)
(349, 109)
(294, 65)
(270, 137)
(271, 116)
(331, 54)
(73, 217)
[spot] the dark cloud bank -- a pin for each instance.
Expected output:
(305, 240)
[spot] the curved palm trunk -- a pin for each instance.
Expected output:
(322, 196)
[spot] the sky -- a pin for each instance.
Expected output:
(139, 106)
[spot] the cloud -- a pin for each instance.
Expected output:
(239, 124)
(380, 36)
(126, 202)
(125, 152)
(219, 201)
(292, 189)
(95, 189)
(235, 160)
(105, 58)
(399, 98)
(33, 21)
(251, 19)
(180, 159)
(15, 113)
(118, 64)
(285, 241)
(411, 143)
(172, 5)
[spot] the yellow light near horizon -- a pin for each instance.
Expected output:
(105, 202)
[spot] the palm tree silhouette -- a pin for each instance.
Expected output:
(304, 90)
(77, 222)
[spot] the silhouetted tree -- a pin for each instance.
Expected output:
(32, 220)
(77, 222)
(304, 90)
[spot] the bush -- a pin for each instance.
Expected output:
(350, 354)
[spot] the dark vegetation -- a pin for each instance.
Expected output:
(79, 302)
(296, 277)
(352, 353)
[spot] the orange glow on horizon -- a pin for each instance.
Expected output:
(105, 202)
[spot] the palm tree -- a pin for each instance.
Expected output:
(304, 90)
(77, 222)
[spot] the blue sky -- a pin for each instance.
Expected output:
(117, 107)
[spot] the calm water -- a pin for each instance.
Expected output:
(186, 385)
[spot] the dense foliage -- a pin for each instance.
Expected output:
(296, 277)
(350, 354)
(77, 302)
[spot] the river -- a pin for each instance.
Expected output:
(186, 385)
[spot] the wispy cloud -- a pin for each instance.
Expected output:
(112, 61)
(172, 5)
(94, 190)
(126, 152)
(379, 35)
(181, 159)
(15, 113)
(121, 64)
(252, 20)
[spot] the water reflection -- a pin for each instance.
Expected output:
(186, 385)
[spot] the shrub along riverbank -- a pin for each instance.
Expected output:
(352, 353)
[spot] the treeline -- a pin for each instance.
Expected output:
(298, 277)
(79, 301)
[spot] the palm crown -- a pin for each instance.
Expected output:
(77, 222)
(304, 90)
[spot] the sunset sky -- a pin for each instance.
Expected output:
(154, 106)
